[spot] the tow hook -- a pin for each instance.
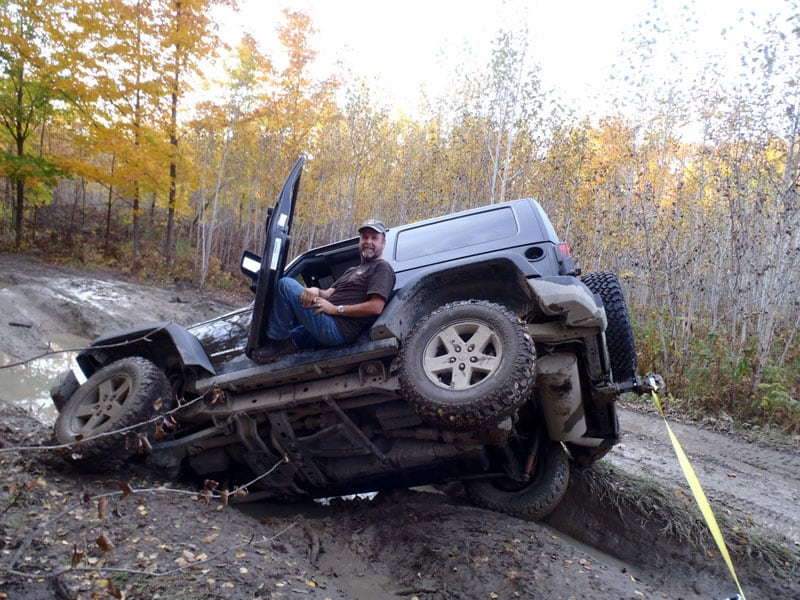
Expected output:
(651, 383)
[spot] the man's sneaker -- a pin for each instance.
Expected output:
(274, 351)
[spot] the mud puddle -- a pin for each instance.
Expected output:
(28, 384)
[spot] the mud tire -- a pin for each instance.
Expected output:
(118, 396)
(533, 500)
(619, 333)
(467, 364)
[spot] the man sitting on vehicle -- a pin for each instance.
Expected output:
(309, 317)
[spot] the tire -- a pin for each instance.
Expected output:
(63, 389)
(619, 334)
(118, 396)
(467, 364)
(532, 500)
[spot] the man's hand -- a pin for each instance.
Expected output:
(323, 306)
(310, 295)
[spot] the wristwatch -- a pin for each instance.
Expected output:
(340, 309)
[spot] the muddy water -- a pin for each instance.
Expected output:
(28, 385)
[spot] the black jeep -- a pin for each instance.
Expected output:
(492, 364)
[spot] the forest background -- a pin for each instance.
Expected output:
(122, 147)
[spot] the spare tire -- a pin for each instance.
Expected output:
(619, 333)
(467, 364)
(101, 413)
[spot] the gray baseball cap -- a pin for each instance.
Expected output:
(373, 224)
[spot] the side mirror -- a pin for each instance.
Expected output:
(250, 264)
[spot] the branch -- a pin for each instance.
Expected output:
(19, 363)
(156, 419)
(125, 490)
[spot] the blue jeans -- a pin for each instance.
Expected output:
(289, 319)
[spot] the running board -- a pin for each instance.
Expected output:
(299, 366)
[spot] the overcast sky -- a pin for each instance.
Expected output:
(399, 45)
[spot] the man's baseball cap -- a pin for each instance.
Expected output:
(373, 224)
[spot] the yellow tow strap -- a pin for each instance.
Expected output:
(697, 490)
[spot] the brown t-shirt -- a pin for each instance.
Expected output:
(355, 286)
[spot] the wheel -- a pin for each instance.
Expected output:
(467, 364)
(63, 389)
(534, 499)
(116, 397)
(619, 334)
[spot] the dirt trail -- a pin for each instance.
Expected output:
(746, 476)
(403, 545)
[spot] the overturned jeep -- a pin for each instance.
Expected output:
(492, 364)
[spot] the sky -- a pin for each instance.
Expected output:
(399, 45)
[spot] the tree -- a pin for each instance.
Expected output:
(29, 91)
(187, 38)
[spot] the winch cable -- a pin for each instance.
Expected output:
(697, 490)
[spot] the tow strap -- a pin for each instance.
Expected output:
(697, 490)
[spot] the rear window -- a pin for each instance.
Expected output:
(459, 232)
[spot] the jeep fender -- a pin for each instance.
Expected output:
(499, 280)
(568, 298)
(166, 344)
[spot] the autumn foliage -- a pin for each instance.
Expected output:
(127, 144)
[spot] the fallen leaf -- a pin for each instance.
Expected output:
(125, 489)
(77, 556)
(105, 543)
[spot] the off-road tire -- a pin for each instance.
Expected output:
(619, 334)
(467, 364)
(118, 396)
(532, 500)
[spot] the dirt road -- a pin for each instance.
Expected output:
(613, 536)
(743, 475)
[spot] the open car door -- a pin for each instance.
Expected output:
(273, 260)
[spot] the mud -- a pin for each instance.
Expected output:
(627, 528)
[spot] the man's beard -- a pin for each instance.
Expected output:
(369, 253)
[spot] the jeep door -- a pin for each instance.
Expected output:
(273, 259)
